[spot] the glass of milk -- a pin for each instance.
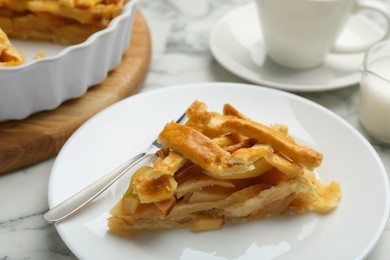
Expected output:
(375, 92)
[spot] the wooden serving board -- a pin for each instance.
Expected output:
(42, 135)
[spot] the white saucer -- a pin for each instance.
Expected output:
(236, 43)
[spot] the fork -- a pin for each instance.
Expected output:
(79, 200)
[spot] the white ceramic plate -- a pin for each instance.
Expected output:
(125, 128)
(237, 44)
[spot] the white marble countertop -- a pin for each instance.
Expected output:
(180, 55)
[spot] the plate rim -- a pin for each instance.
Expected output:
(384, 218)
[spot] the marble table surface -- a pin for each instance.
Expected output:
(180, 32)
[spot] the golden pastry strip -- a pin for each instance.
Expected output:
(249, 155)
(169, 165)
(197, 147)
(280, 142)
(9, 55)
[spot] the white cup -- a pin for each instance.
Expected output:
(300, 33)
(375, 92)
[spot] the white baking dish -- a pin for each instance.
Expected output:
(66, 72)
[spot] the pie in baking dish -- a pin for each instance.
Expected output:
(9, 55)
(60, 21)
(222, 168)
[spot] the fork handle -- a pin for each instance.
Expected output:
(82, 198)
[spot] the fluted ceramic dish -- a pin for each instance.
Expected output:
(66, 72)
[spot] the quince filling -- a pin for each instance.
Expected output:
(220, 168)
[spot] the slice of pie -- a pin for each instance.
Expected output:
(61, 21)
(222, 168)
(9, 55)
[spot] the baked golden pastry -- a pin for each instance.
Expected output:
(222, 168)
(60, 21)
(9, 55)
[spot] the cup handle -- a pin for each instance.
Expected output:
(376, 6)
